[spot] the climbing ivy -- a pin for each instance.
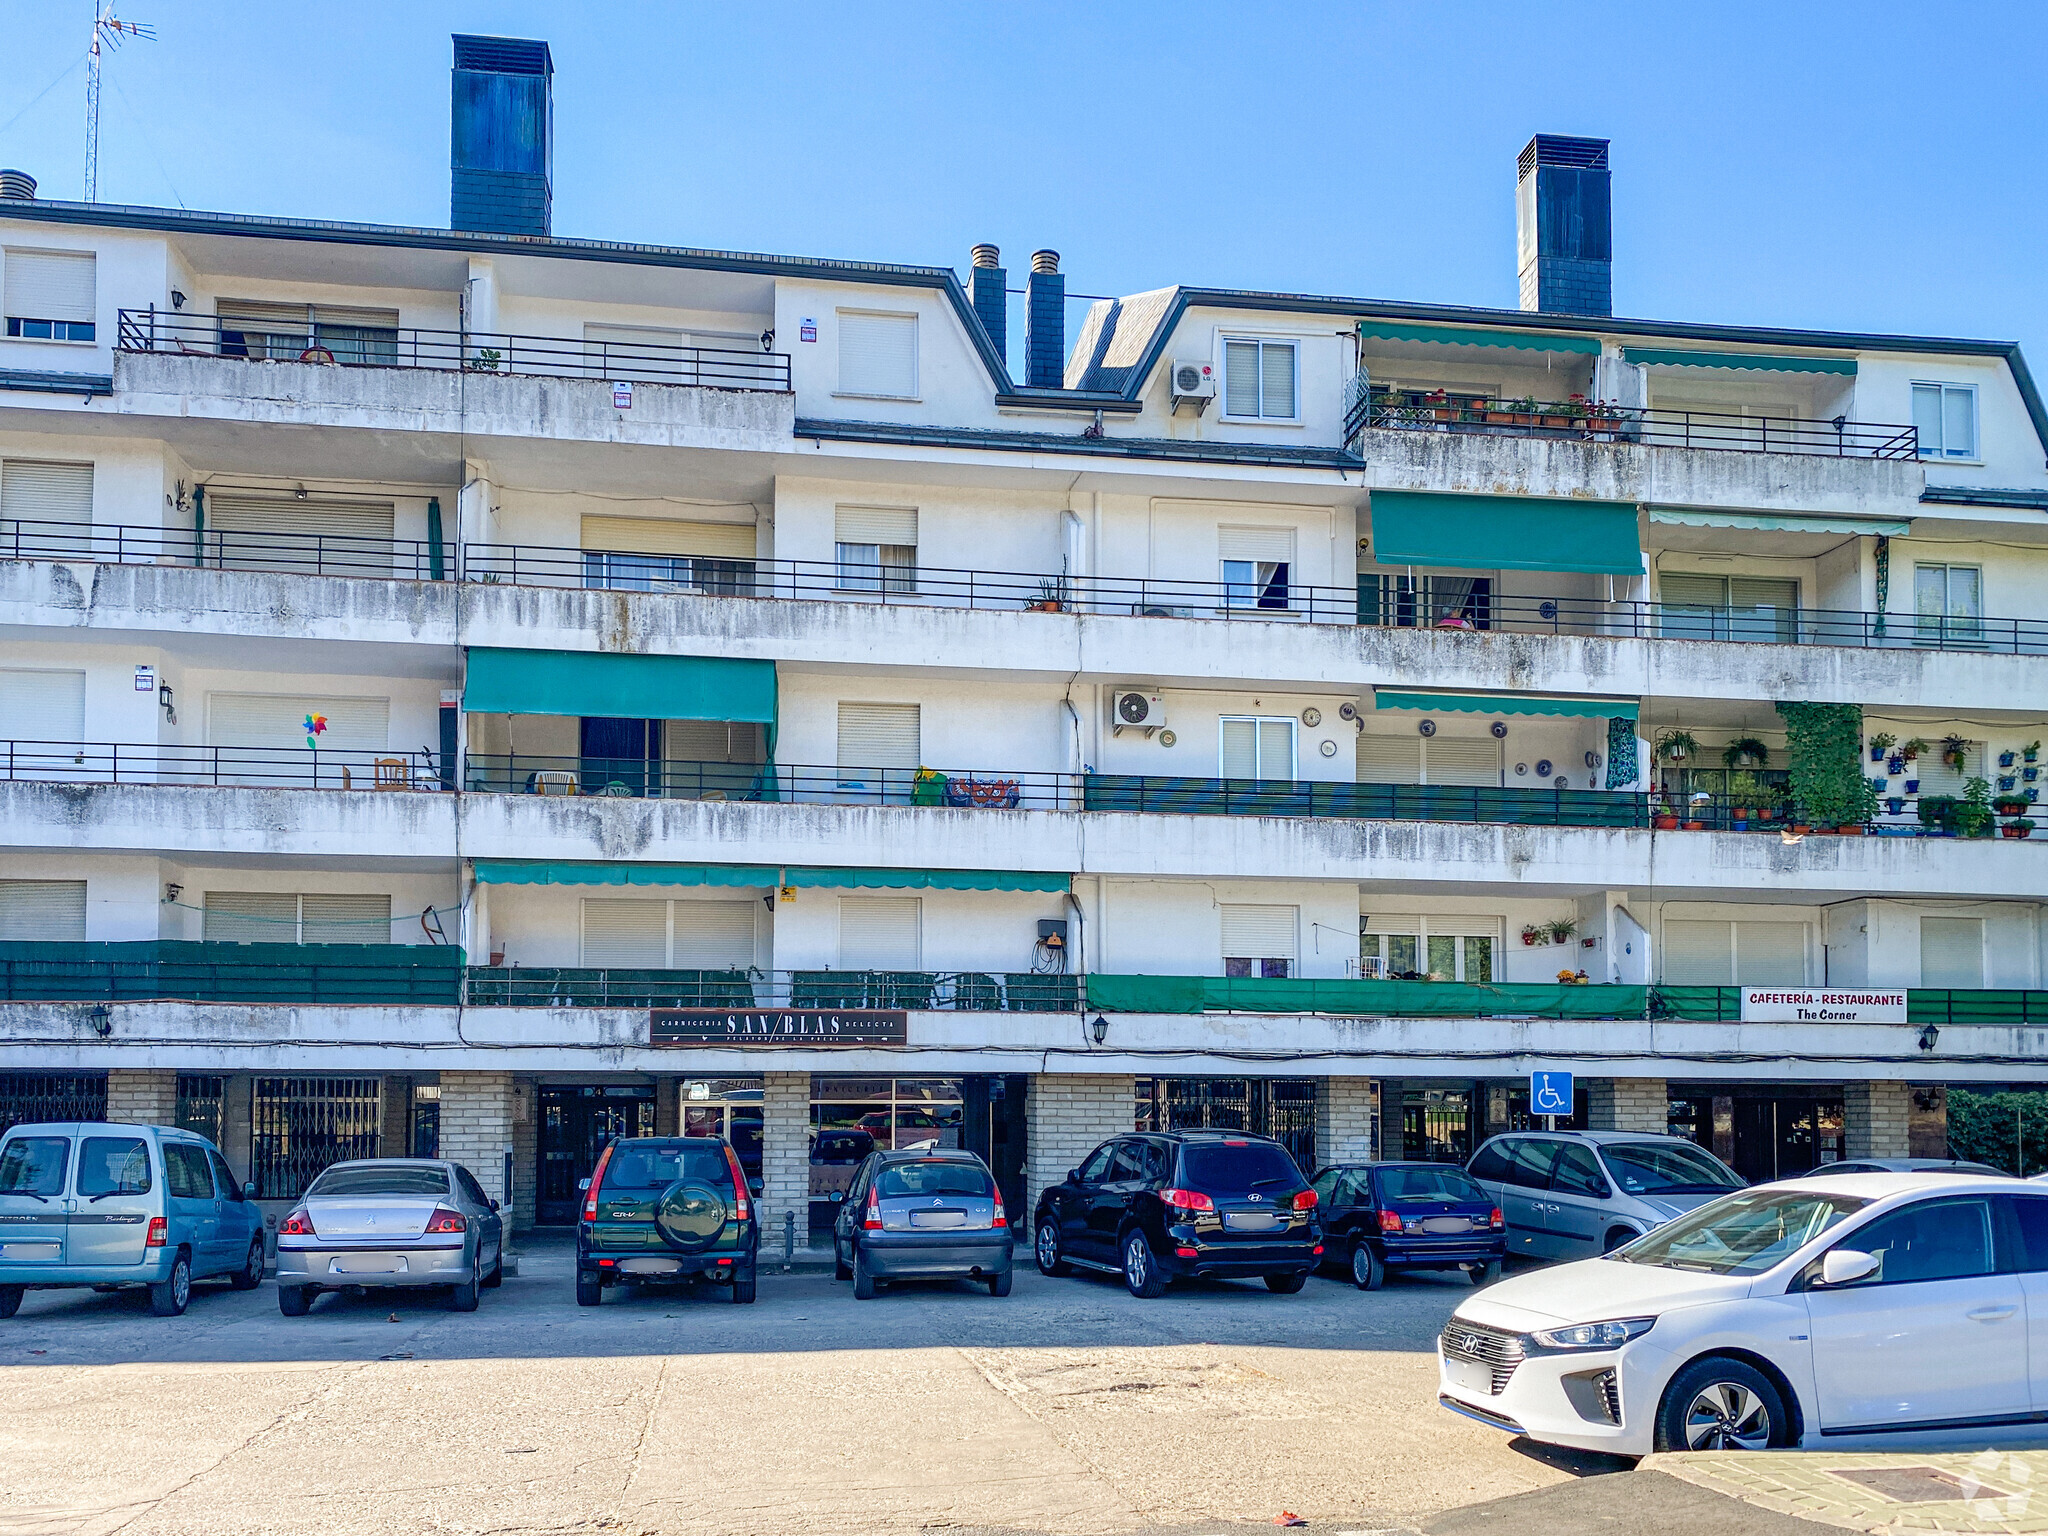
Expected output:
(1824, 748)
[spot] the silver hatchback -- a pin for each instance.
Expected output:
(1578, 1194)
(390, 1221)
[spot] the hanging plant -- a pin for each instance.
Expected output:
(1955, 752)
(1676, 746)
(1823, 752)
(1913, 748)
(1880, 744)
(1746, 752)
(1562, 929)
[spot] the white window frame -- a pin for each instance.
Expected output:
(1292, 343)
(52, 340)
(916, 358)
(1975, 453)
(1293, 725)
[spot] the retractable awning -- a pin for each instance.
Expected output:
(1773, 522)
(596, 872)
(1512, 533)
(1505, 704)
(509, 682)
(1763, 362)
(1475, 336)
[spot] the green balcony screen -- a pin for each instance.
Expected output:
(1510, 533)
(594, 872)
(507, 682)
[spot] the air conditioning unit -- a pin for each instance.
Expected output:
(1133, 710)
(1194, 383)
(1160, 611)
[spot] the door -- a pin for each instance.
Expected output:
(32, 1200)
(576, 1123)
(1934, 1336)
(2024, 1238)
(191, 1204)
(239, 1218)
(114, 1195)
(1073, 1200)
(1525, 1197)
(620, 757)
(993, 1129)
(1580, 1213)
(1109, 1197)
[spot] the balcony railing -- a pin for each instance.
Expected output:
(356, 346)
(100, 762)
(615, 987)
(1591, 421)
(152, 970)
(297, 554)
(1924, 1005)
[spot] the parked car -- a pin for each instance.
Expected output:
(110, 1206)
(1888, 1310)
(1572, 1194)
(658, 1210)
(390, 1221)
(1174, 1205)
(1908, 1165)
(1381, 1217)
(927, 1214)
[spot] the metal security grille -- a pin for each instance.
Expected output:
(199, 1103)
(300, 1126)
(1282, 1108)
(27, 1098)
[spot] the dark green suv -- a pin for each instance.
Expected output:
(663, 1209)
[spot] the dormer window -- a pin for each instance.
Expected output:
(1945, 416)
(1259, 379)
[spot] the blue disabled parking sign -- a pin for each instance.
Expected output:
(1550, 1093)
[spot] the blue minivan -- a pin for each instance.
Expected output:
(82, 1203)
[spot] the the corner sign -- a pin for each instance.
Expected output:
(777, 1026)
(1796, 1005)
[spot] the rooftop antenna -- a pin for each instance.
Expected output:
(107, 34)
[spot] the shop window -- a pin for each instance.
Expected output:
(853, 1116)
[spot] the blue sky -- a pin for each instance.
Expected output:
(1870, 166)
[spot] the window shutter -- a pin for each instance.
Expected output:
(1938, 778)
(1464, 760)
(1952, 952)
(669, 536)
(877, 354)
(1259, 932)
(879, 736)
(251, 917)
(1760, 592)
(626, 935)
(1241, 378)
(1274, 544)
(632, 341)
(279, 720)
(1240, 749)
(1687, 591)
(49, 285)
(1392, 922)
(33, 492)
(880, 933)
(1965, 592)
(1276, 379)
(240, 530)
(43, 706)
(1698, 954)
(1389, 759)
(1927, 416)
(43, 911)
(354, 318)
(1958, 423)
(715, 935)
(1770, 954)
(1276, 749)
(344, 919)
(711, 741)
(1462, 925)
(875, 525)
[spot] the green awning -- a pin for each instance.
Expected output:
(1505, 704)
(595, 872)
(1512, 533)
(1758, 361)
(507, 682)
(1469, 336)
(1770, 522)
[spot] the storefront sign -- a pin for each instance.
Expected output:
(1796, 1005)
(777, 1026)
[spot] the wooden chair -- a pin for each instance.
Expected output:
(393, 773)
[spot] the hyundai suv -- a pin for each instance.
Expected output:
(663, 1209)
(1180, 1205)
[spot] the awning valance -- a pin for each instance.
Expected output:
(1764, 362)
(1771, 522)
(509, 682)
(1472, 336)
(1505, 704)
(1513, 533)
(597, 872)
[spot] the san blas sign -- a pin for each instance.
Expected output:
(778, 1026)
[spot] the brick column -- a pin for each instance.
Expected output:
(525, 1151)
(1070, 1115)
(476, 1125)
(1347, 1120)
(1627, 1104)
(142, 1096)
(667, 1119)
(394, 1138)
(1927, 1122)
(785, 1159)
(1877, 1119)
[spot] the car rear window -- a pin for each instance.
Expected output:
(933, 1176)
(1236, 1168)
(657, 1167)
(380, 1181)
(34, 1165)
(1429, 1184)
(113, 1165)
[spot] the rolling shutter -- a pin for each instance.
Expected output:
(42, 706)
(1770, 954)
(1938, 778)
(1952, 952)
(1685, 591)
(1462, 925)
(34, 492)
(626, 935)
(1240, 749)
(1463, 760)
(49, 285)
(875, 525)
(714, 935)
(1391, 922)
(344, 919)
(669, 536)
(1698, 954)
(257, 315)
(42, 911)
(880, 933)
(711, 741)
(251, 917)
(1273, 544)
(279, 720)
(281, 515)
(877, 354)
(879, 735)
(1389, 759)
(1241, 378)
(1259, 932)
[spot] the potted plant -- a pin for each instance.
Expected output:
(1881, 745)
(1937, 815)
(1895, 806)
(1896, 763)
(2005, 759)
(1955, 752)
(1049, 599)
(1606, 417)
(1746, 752)
(1532, 935)
(2030, 751)
(2013, 804)
(1910, 750)
(2028, 775)
(1562, 929)
(1676, 746)
(1912, 786)
(2008, 781)
(2023, 827)
(1439, 403)
(1973, 811)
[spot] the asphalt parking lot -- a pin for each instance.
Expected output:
(1068, 1406)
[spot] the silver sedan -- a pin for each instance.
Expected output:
(390, 1221)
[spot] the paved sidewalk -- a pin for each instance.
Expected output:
(1963, 1492)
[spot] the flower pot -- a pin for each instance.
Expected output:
(1501, 418)
(1853, 831)
(1695, 826)
(1895, 764)
(2015, 833)
(1877, 754)
(1895, 806)
(1912, 786)
(1666, 823)
(1744, 814)
(1557, 421)
(2005, 759)
(1800, 828)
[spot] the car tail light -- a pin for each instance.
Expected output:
(1305, 1201)
(1001, 1217)
(298, 1224)
(445, 1220)
(871, 1219)
(742, 1208)
(1318, 1250)
(159, 1232)
(1390, 1221)
(1187, 1253)
(1186, 1200)
(1497, 1221)
(596, 1181)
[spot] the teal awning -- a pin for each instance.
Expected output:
(1469, 336)
(596, 872)
(1772, 522)
(1505, 704)
(1763, 362)
(507, 682)
(1512, 533)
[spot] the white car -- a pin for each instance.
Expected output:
(1864, 1311)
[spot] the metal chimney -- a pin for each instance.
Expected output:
(17, 184)
(991, 302)
(1564, 226)
(502, 136)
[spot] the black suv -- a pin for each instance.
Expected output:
(1173, 1205)
(662, 1209)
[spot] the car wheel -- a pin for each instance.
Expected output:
(294, 1300)
(1367, 1272)
(589, 1288)
(496, 1277)
(841, 1270)
(1718, 1404)
(1288, 1284)
(1141, 1270)
(10, 1299)
(169, 1297)
(863, 1277)
(999, 1285)
(464, 1297)
(1619, 1237)
(743, 1290)
(1045, 1247)
(1484, 1274)
(250, 1275)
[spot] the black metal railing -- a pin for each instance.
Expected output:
(98, 762)
(621, 987)
(297, 554)
(1506, 806)
(358, 346)
(1924, 1005)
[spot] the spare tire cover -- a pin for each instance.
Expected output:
(690, 1215)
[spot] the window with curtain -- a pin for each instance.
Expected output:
(1425, 602)
(1259, 379)
(875, 549)
(1948, 604)
(1439, 948)
(1945, 418)
(1255, 747)
(1258, 565)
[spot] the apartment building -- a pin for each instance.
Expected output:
(482, 691)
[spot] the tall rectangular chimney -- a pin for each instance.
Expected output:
(1564, 226)
(502, 136)
(1045, 322)
(989, 297)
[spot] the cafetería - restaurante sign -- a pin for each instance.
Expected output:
(1805, 1005)
(778, 1026)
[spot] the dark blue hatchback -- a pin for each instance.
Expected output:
(1396, 1216)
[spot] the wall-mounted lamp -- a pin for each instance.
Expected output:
(1929, 1036)
(1098, 1029)
(101, 1018)
(768, 341)
(172, 891)
(168, 699)
(177, 299)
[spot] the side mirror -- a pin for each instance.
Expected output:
(1845, 1266)
(1073, 1175)
(583, 1186)
(249, 1190)
(494, 1205)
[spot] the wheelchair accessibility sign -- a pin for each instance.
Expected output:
(1550, 1093)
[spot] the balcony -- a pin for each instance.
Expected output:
(165, 970)
(292, 554)
(941, 991)
(238, 767)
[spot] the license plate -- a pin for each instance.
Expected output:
(649, 1266)
(1469, 1376)
(1447, 1224)
(938, 1218)
(369, 1264)
(25, 1253)
(1250, 1221)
